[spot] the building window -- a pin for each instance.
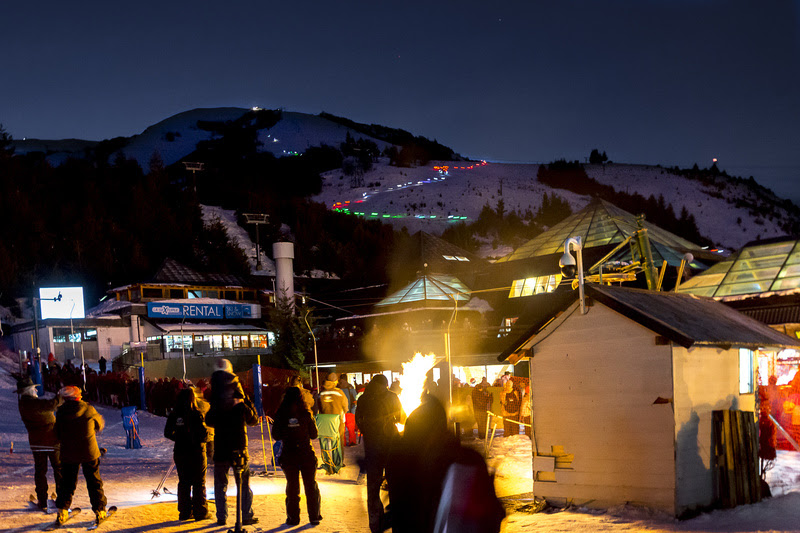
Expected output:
(534, 285)
(248, 295)
(230, 295)
(746, 373)
(506, 325)
(152, 293)
(176, 293)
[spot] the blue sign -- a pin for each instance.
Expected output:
(173, 310)
(238, 311)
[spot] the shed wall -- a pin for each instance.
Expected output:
(706, 379)
(595, 380)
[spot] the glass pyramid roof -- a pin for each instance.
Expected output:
(598, 224)
(438, 287)
(755, 269)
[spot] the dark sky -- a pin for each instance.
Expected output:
(669, 81)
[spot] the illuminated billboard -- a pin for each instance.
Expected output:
(61, 302)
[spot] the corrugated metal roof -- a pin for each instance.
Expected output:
(684, 319)
(689, 320)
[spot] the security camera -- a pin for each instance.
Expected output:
(568, 266)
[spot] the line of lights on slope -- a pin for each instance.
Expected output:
(442, 170)
(347, 211)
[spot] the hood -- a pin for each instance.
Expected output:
(72, 409)
(328, 385)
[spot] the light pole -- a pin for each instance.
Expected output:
(314, 339)
(257, 219)
(569, 266)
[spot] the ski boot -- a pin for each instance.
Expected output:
(62, 516)
(99, 516)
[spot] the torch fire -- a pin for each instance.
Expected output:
(412, 381)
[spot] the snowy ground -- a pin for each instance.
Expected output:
(131, 475)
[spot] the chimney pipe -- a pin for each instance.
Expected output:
(283, 252)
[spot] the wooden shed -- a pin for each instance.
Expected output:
(622, 396)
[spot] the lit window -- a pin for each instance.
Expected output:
(450, 258)
(461, 258)
(535, 285)
(746, 381)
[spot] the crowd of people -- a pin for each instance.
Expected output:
(425, 468)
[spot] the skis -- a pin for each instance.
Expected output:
(55, 525)
(34, 503)
(109, 513)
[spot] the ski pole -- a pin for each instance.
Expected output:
(157, 492)
(271, 448)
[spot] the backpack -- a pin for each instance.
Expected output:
(512, 402)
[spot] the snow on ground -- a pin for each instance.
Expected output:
(130, 475)
(239, 236)
(423, 198)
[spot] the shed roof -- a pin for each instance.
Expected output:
(684, 319)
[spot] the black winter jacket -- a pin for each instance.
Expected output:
(77, 423)
(38, 415)
(296, 432)
(230, 433)
(188, 431)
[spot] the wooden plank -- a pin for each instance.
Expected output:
(742, 460)
(729, 474)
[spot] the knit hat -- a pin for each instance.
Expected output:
(224, 365)
(70, 392)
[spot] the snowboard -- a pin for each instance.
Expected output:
(55, 525)
(109, 513)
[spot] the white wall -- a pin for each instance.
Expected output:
(110, 340)
(706, 379)
(595, 379)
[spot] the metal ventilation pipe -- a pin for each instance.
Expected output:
(283, 252)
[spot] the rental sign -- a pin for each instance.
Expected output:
(198, 311)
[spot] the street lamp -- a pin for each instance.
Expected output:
(569, 266)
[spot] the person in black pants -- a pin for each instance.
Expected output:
(38, 415)
(231, 411)
(295, 427)
(377, 413)
(185, 426)
(77, 424)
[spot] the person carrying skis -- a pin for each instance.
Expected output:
(295, 427)
(186, 428)
(377, 413)
(231, 411)
(77, 425)
(38, 415)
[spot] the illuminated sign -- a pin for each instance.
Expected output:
(198, 311)
(61, 302)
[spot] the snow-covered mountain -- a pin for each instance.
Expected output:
(729, 212)
(430, 197)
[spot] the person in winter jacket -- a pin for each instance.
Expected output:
(421, 470)
(481, 404)
(77, 424)
(332, 401)
(185, 426)
(231, 411)
(38, 415)
(295, 427)
(308, 398)
(377, 413)
(511, 402)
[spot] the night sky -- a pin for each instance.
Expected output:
(669, 81)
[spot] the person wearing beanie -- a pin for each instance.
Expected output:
(77, 425)
(231, 411)
(38, 415)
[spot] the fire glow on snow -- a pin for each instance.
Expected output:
(412, 381)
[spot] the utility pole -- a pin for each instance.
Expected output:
(257, 219)
(194, 167)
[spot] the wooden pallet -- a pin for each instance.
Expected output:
(736, 458)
